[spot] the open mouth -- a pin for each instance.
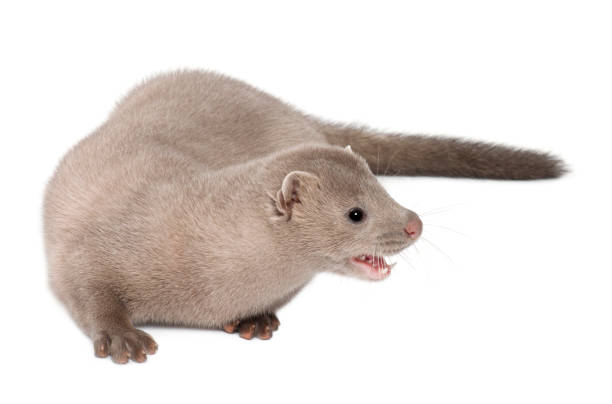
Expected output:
(375, 267)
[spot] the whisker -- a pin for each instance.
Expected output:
(391, 243)
(440, 209)
(406, 260)
(390, 160)
(445, 228)
(374, 257)
(416, 248)
(439, 250)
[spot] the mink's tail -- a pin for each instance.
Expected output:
(400, 154)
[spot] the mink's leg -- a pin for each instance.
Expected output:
(106, 320)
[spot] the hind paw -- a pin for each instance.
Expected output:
(261, 326)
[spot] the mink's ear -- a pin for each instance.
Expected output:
(294, 190)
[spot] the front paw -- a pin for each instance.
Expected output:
(124, 344)
(261, 326)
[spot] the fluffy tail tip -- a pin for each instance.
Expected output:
(550, 166)
(539, 165)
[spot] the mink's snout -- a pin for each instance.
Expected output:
(414, 228)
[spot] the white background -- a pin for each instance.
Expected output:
(510, 301)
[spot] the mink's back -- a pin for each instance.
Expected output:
(175, 125)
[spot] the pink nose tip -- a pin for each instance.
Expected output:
(414, 228)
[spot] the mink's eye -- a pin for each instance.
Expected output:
(356, 214)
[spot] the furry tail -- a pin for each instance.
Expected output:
(397, 154)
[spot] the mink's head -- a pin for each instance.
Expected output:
(334, 207)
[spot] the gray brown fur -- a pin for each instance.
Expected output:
(203, 201)
(442, 156)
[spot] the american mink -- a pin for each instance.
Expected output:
(203, 201)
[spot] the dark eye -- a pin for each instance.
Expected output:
(356, 214)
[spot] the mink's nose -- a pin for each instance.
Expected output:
(414, 228)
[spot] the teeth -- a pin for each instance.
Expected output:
(378, 263)
(365, 258)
